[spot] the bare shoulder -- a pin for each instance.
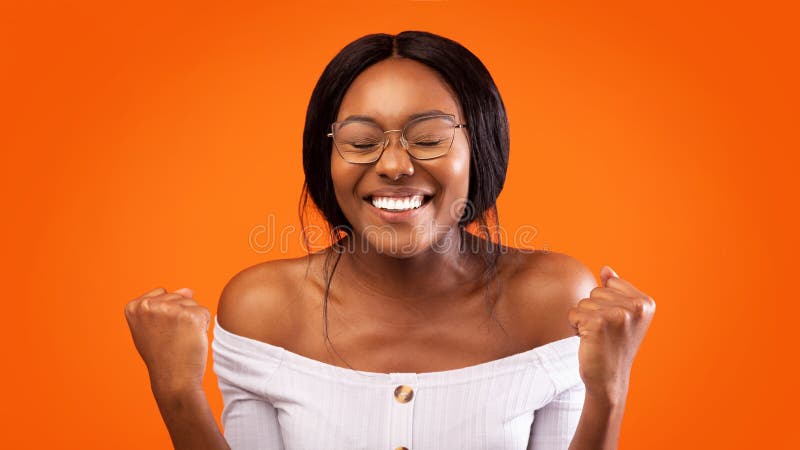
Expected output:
(542, 287)
(262, 301)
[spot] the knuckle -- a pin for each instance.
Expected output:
(619, 315)
(595, 290)
(597, 322)
(637, 307)
(186, 313)
(192, 313)
(157, 307)
(161, 290)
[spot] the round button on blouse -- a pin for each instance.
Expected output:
(403, 393)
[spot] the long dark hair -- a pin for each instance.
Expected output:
(487, 132)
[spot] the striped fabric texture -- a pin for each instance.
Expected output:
(275, 399)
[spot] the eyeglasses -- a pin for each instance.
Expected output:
(427, 137)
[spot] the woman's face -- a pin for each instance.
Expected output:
(390, 93)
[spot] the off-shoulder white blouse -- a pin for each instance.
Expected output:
(276, 399)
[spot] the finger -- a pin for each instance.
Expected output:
(201, 313)
(187, 302)
(625, 287)
(186, 292)
(589, 304)
(170, 297)
(580, 321)
(574, 316)
(154, 292)
(633, 305)
(604, 303)
(606, 273)
(636, 306)
(178, 299)
(606, 293)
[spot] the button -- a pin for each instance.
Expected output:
(403, 393)
(401, 448)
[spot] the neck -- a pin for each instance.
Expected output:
(420, 278)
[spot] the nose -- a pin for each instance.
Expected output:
(395, 160)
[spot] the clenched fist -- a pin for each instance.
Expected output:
(611, 323)
(170, 331)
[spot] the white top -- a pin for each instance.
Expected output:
(276, 399)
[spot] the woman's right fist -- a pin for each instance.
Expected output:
(170, 331)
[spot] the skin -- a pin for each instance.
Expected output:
(387, 305)
(412, 298)
(407, 290)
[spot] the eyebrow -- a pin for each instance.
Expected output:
(361, 118)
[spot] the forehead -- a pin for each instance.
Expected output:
(393, 90)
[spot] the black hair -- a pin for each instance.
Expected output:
(482, 107)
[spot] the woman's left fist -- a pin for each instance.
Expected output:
(611, 323)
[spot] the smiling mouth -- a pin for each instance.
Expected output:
(398, 203)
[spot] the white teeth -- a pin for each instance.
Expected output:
(398, 203)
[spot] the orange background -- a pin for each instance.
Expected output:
(142, 144)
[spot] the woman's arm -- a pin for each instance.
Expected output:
(612, 323)
(170, 333)
(189, 419)
(600, 423)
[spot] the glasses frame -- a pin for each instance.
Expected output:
(403, 141)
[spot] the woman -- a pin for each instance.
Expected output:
(408, 331)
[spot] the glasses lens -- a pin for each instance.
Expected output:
(358, 141)
(430, 137)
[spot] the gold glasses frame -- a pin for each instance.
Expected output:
(403, 141)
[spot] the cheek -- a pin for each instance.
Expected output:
(344, 178)
(338, 172)
(456, 179)
(458, 173)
